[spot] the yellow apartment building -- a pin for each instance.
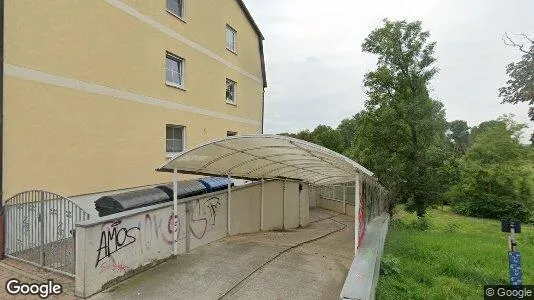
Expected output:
(98, 93)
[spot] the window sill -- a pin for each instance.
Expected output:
(172, 154)
(234, 52)
(231, 103)
(174, 85)
(177, 16)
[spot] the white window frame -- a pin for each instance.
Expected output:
(181, 62)
(171, 154)
(181, 14)
(234, 35)
(231, 101)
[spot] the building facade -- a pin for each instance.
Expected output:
(97, 94)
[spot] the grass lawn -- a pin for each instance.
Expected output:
(452, 259)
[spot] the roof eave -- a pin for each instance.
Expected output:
(260, 36)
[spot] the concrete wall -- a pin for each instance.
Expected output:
(291, 205)
(116, 247)
(313, 194)
(273, 212)
(304, 201)
(336, 205)
(246, 202)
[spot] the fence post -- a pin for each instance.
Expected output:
(41, 230)
(2, 233)
(73, 232)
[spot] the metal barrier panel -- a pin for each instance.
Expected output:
(40, 230)
(373, 200)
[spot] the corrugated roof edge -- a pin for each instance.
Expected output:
(260, 36)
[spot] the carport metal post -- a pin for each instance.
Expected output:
(175, 210)
(356, 213)
(261, 206)
(228, 205)
(344, 199)
(284, 206)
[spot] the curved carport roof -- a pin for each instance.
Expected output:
(265, 156)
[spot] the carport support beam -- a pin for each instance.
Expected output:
(175, 211)
(284, 206)
(344, 199)
(261, 207)
(228, 208)
(356, 213)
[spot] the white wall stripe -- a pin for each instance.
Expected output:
(55, 80)
(131, 11)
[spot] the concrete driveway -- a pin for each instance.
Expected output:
(308, 263)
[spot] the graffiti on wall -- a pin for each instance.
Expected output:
(113, 239)
(203, 215)
(152, 228)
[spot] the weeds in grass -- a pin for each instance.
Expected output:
(528, 237)
(420, 224)
(452, 228)
(389, 264)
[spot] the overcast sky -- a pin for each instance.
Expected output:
(315, 65)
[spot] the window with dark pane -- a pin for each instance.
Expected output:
(230, 91)
(175, 138)
(231, 38)
(174, 70)
(176, 7)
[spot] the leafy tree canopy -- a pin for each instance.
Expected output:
(495, 178)
(403, 132)
(520, 85)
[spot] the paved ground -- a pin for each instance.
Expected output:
(28, 274)
(308, 263)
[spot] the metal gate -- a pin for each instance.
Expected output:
(40, 230)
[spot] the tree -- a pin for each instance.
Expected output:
(347, 128)
(402, 135)
(328, 137)
(458, 134)
(495, 178)
(322, 135)
(520, 85)
(304, 135)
